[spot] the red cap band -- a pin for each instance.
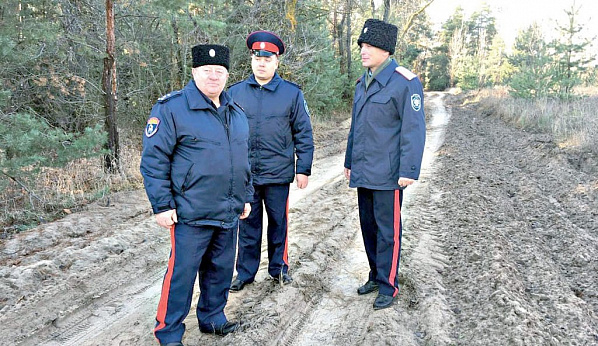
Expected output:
(270, 47)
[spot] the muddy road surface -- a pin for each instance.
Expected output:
(499, 248)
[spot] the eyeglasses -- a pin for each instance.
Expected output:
(219, 72)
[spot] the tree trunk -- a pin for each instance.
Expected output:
(111, 159)
(348, 43)
(386, 10)
(177, 61)
(341, 44)
(20, 22)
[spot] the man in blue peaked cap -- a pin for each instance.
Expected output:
(280, 150)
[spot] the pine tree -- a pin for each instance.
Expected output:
(570, 62)
(533, 69)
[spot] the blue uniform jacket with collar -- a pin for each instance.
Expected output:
(388, 130)
(280, 128)
(196, 162)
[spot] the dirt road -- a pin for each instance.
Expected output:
(499, 247)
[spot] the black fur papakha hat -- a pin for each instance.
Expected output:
(210, 54)
(379, 34)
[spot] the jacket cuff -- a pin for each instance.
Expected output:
(157, 209)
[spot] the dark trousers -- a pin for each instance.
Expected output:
(275, 199)
(380, 219)
(195, 250)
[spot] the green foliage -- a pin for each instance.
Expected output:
(438, 77)
(29, 143)
(550, 69)
(533, 76)
(467, 56)
(51, 64)
(570, 60)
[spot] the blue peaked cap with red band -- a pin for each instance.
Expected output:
(265, 43)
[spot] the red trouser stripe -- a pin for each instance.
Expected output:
(285, 254)
(397, 241)
(163, 305)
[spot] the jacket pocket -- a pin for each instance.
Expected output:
(200, 141)
(380, 98)
(187, 179)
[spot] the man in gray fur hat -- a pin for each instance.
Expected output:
(384, 153)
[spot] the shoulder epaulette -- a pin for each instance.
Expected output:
(232, 85)
(405, 73)
(358, 80)
(295, 84)
(170, 95)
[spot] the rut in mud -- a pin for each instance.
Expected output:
(499, 247)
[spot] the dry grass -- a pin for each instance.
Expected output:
(55, 192)
(572, 123)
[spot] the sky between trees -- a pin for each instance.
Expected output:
(514, 15)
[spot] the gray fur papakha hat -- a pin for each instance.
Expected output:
(210, 54)
(379, 34)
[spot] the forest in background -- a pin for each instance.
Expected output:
(80, 77)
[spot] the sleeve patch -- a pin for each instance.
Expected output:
(152, 126)
(405, 73)
(416, 102)
(306, 109)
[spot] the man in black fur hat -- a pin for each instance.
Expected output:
(195, 167)
(384, 153)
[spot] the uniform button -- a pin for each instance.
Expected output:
(413, 168)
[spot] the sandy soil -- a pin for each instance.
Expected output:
(499, 248)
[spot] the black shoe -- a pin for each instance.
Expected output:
(383, 301)
(172, 344)
(368, 287)
(286, 278)
(238, 285)
(222, 330)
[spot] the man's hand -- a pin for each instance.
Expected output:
(348, 173)
(404, 182)
(301, 181)
(167, 218)
(246, 211)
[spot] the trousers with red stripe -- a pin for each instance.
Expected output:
(206, 251)
(274, 198)
(381, 228)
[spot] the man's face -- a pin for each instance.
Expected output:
(210, 79)
(264, 67)
(372, 57)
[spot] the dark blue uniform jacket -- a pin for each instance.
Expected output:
(279, 128)
(197, 159)
(388, 130)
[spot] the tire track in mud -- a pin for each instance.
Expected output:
(110, 298)
(523, 249)
(322, 306)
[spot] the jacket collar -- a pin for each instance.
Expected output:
(384, 76)
(382, 79)
(197, 100)
(271, 85)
